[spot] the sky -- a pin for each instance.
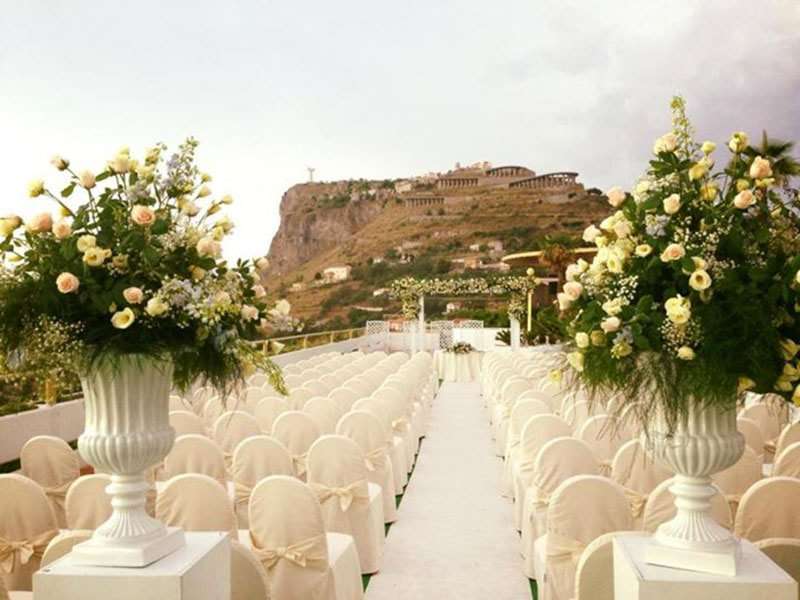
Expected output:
(380, 89)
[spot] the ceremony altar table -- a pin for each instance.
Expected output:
(458, 367)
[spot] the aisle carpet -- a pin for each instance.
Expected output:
(454, 538)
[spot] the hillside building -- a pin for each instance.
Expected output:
(336, 274)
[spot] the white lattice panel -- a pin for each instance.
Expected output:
(445, 330)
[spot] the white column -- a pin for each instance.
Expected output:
(514, 334)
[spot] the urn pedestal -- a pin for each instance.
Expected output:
(127, 431)
(704, 441)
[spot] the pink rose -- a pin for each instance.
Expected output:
(133, 295)
(40, 223)
(143, 215)
(67, 283)
(62, 229)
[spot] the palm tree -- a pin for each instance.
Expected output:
(557, 254)
(784, 165)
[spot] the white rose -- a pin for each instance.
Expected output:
(738, 141)
(673, 252)
(708, 147)
(143, 215)
(573, 289)
(123, 318)
(612, 307)
(133, 295)
(156, 307)
(282, 307)
(590, 234)
(678, 309)
(85, 242)
(582, 340)
(67, 283)
(121, 163)
(62, 229)
(744, 200)
(208, 246)
(610, 324)
(666, 143)
(760, 168)
(622, 229)
(40, 223)
(700, 280)
(259, 291)
(572, 272)
(564, 301)
(614, 264)
(190, 209)
(672, 204)
(59, 162)
(643, 250)
(87, 179)
(616, 196)
(249, 313)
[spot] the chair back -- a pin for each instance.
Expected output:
(366, 430)
(323, 412)
(522, 411)
(767, 510)
(737, 479)
(185, 422)
(62, 544)
(298, 397)
(267, 410)
(256, 458)
(790, 435)
(605, 436)
(579, 412)
(594, 578)
(26, 515)
(51, 463)
(288, 537)
(770, 416)
(196, 503)
(343, 398)
(753, 436)
(635, 470)
(196, 454)
(249, 579)
(539, 430)
(296, 431)
(785, 552)
(212, 410)
(87, 504)
(232, 428)
(660, 508)
(787, 462)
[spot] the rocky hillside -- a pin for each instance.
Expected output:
(382, 234)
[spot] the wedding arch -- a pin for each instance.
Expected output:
(518, 289)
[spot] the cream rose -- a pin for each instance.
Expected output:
(96, 256)
(698, 171)
(133, 295)
(622, 229)
(590, 234)
(708, 147)
(143, 215)
(59, 162)
(67, 283)
(190, 209)
(7, 226)
(666, 143)
(673, 252)
(614, 264)
(249, 313)
(679, 309)
(282, 307)
(40, 223)
(36, 188)
(564, 301)
(685, 353)
(87, 179)
(612, 307)
(573, 289)
(582, 340)
(85, 242)
(203, 191)
(262, 264)
(575, 359)
(616, 196)
(208, 246)
(738, 141)
(700, 280)
(123, 319)
(610, 324)
(62, 229)
(672, 204)
(226, 199)
(744, 200)
(760, 168)
(121, 163)
(259, 291)
(156, 307)
(643, 250)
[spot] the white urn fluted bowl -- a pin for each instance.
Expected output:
(704, 441)
(127, 431)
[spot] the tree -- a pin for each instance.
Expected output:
(784, 165)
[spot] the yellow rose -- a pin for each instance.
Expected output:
(698, 171)
(760, 168)
(745, 383)
(8, 225)
(789, 349)
(205, 177)
(197, 273)
(643, 250)
(742, 184)
(709, 191)
(203, 191)
(685, 353)
(738, 141)
(621, 349)
(85, 242)
(226, 199)
(708, 147)
(582, 340)
(796, 396)
(95, 256)
(123, 318)
(36, 188)
(700, 280)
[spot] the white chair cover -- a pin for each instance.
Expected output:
(249, 580)
(63, 543)
(196, 503)
(594, 577)
(397, 446)
(343, 398)
(212, 410)
(771, 417)
(522, 411)
(366, 430)
(572, 524)
(27, 524)
(232, 428)
(737, 479)
(256, 458)
(267, 410)
(350, 504)
(558, 460)
(324, 413)
(288, 537)
(296, 431)
(787, 462)
(298, 397)
(196, 454)
(790, 435)
(753, 436)
(639, 474)
(87, 504)
(660, 508)
(785, 552)
(397, 408)
(768, 510)
(605, 435)
(51, 463)
(185, 422)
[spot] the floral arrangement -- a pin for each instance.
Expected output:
(461, 348)
(517, 308)
(693, 292)
(136, 268)
(409, 290)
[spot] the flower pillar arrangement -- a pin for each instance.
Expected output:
(691, 300)
(133, 276)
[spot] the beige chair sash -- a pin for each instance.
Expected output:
(346, 494)
(58, 493)
(305, 553)
(241, 492)
(375, 459)
(770, 446)
(636, 502)
(733, 501)
(300, 463)
(539, 499)
(604, 468)
(15, 553)
(561, 548)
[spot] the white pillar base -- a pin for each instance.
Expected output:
(702, 561)
(137, 554)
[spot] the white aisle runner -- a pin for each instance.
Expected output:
(455, 537)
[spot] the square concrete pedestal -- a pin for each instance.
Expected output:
(757, 577)
(198, 571)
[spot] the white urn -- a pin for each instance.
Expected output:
(127, 431)
(704, 441)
